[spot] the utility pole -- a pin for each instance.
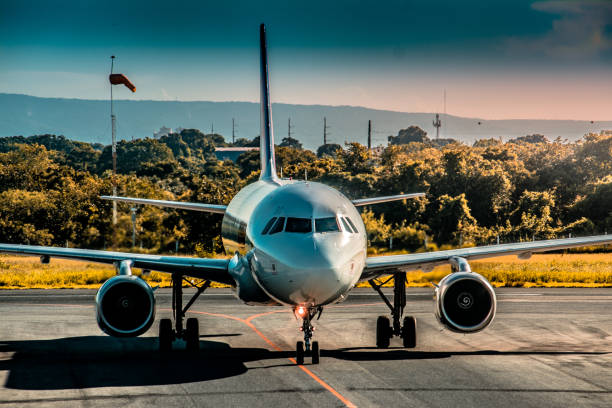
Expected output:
(437, 124)
(325, 127)
(233, 133)
(114, 146)
(133, 209)
(369, 134)
(289, 127)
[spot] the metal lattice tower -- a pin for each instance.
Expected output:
(437, 124)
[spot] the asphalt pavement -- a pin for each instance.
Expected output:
(546, 348)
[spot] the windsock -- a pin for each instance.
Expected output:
(118, 79)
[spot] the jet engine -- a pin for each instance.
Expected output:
(125, 306)
(465, 302)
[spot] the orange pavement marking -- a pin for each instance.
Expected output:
(247, 321)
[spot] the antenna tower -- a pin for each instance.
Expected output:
(233, 133)
(437, 124)
(369, 134)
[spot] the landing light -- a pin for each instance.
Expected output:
(301, 311)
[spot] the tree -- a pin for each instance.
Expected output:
(356, 158)
(532, 139)
(131, 155)
(411, 134)
(452, 222)
(330, 149)
(291, 142)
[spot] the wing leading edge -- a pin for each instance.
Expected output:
(375, 200)
(379, 265)
(213, 208)
(202, 268)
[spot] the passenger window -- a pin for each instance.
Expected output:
(346, 225)
(268, 226)
(278, 227)
(326, 224)
(352, 225)
(302, 225)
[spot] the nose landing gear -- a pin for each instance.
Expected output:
(384, 330)
(306, 347)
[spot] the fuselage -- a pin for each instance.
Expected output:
(304, 242)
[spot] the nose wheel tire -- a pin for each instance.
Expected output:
(409, 332)
(192, 334)
(383, 332)
(315, 352)
(166, 335)
(299, 352)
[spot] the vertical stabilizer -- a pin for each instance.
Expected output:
(266, 142)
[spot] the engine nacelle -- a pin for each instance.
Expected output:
(125, 306)
(465, 302)
(247, 289)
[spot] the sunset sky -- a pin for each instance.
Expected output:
(496, 59)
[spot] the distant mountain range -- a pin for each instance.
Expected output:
(89, 121)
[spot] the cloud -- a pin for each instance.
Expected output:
(582, 30)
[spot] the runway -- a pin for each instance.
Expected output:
(546, 348)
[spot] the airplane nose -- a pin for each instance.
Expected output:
(314, 273)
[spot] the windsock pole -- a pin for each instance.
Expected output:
(114, 147)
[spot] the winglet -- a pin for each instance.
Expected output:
(266, 141)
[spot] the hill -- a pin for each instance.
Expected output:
(88, 121)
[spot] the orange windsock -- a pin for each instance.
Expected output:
(118, 79)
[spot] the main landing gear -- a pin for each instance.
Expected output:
(406, 329)
(305, 347)
(191, 332)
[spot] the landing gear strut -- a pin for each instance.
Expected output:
(384, 330)
(191, 332)
(307, 347)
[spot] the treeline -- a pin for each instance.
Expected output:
(528, 188)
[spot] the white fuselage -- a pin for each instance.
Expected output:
(305, 242)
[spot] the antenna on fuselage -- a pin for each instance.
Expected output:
(266, 141)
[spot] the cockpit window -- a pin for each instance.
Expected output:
(278, 227)
(302, 225)
(347, 227)
(352, 225)
(268, 226)
(326, 224)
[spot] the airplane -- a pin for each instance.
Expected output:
(296, 244)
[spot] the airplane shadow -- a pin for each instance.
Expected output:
(375, 354)
(102, 361)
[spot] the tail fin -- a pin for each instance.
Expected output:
(266, 141)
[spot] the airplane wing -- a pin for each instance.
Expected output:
(202, 268)
(376, 200)
(213, 208)
(380, 265)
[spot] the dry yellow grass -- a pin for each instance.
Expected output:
(21, 272)
(542, 270)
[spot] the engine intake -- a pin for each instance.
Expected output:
(465, 302)
(125, 306)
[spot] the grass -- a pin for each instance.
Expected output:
(542, 270)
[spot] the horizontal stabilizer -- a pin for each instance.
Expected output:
(213, 208)
(376, 200)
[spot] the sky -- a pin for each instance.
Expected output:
(503, 59)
